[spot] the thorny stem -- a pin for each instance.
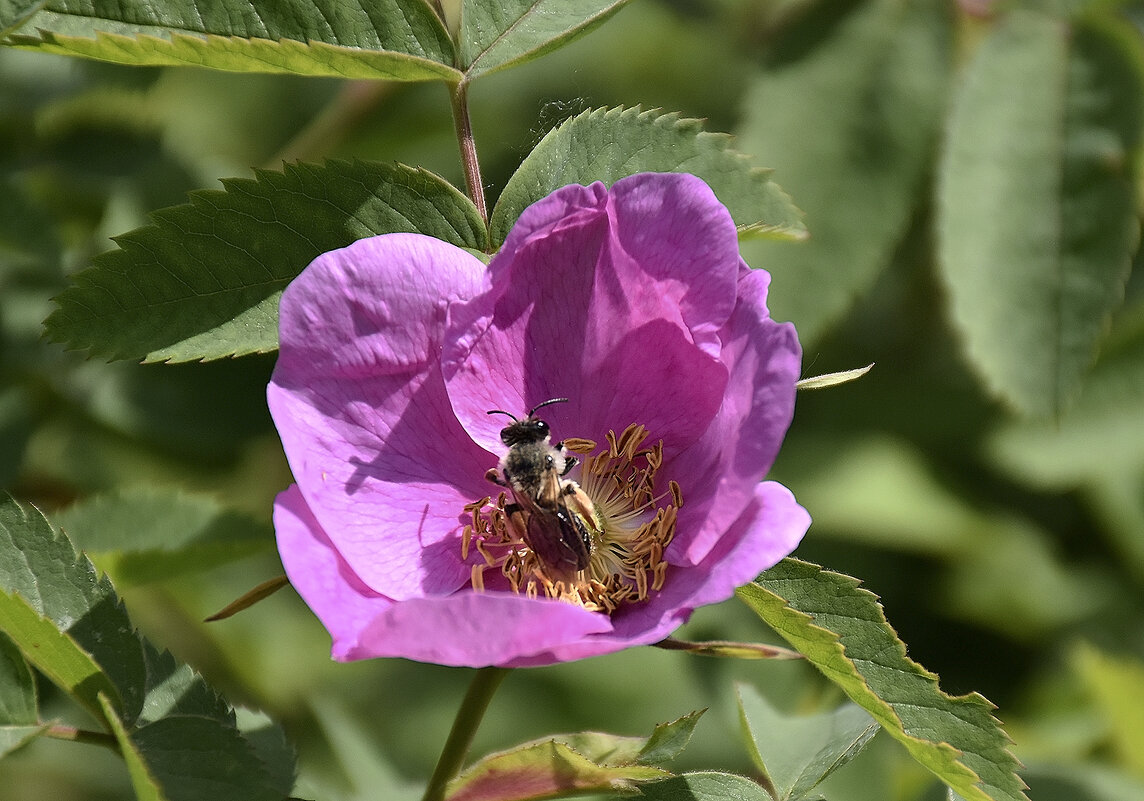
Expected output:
(460, 97)
(480, 693)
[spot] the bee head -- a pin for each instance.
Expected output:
(527, 430)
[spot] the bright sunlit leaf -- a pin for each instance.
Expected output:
(609, 144)
(841, 629)
(393, 39)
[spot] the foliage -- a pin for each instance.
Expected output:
(949, 190)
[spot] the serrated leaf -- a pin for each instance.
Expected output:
(497, 33)
(394, 39)
(796, 753)
(841, 629)
(67, 622)
(848, 111)
(203, 281)
(669, 739)
(190, 758)
(18, 705)
(705, 787)
(1037, 199)
(609, 144)
(174, 688)
(149, 534)
(270, 745)
(243, 55)
(542, 770)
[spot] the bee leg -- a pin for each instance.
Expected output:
(569, 463)
(495, 477)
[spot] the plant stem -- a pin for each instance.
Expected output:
(473, 707)
(76, 735)
(460, 96)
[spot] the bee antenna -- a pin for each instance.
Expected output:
(548, 402)
(502, 411)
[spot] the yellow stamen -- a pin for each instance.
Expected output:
(617, 504)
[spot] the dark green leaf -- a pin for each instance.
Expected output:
(271, 747)
(204, 281)
(17, 687)
(67, 622)
(848, 112)
(1038, 218)
(176, 689)
(190, 758)
(149, 534)
(393, 39)
(705, 787)
(840, 628)
(497, 33)
(609, 144)
(796, 753)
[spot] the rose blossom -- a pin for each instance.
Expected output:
(632, 303)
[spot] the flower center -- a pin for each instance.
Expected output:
(612, 512)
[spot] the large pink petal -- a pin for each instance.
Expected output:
(590, 290)
(720, 471)
(475, 629)
(360, 405)
(319, 574)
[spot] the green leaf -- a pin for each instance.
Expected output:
(18, 705)
(705, 787)
(176, 689)
(1037, 201)
(149, 534)
(276, 754)
(66, 621)
(190, 758)
(796, 753)
(497, 33)
(392, 39)
(582, 762)
(841, 629)
(847, 110)
(203, 281)
(1117, 685)
(669, 739)
(542, 770)
(609, 144)
(12, 737)
(834, 379)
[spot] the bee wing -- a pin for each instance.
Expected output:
(556, 540)
(549, 493)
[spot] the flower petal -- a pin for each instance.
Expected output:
(770, 528)
(320, 575)
(720, 471)
(472, 629)
(361, 408)
(581, 277)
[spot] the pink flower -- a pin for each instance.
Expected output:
(632, 303)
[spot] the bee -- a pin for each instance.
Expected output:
(534, 469)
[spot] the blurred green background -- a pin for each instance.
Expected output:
(1009, 553)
